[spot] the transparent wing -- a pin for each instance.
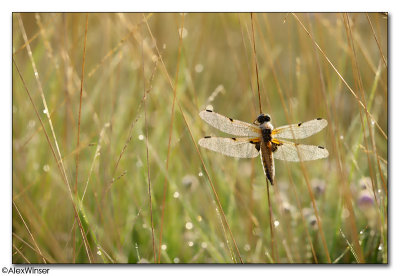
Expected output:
(292, 152)
(301, 130)
(229, 125)
(234, 147)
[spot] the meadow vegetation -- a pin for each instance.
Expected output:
(106, 166)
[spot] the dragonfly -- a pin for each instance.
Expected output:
(261, 138)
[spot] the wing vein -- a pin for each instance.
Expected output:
(228, 125)
(301, 130)
(234, 147)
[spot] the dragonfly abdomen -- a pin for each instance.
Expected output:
(268, 161)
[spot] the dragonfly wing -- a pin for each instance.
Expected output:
(229, 125)
(293, 152)
(300, 130)
(234, 147)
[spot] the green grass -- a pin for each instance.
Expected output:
(325, 65)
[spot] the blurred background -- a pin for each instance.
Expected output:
(87, 200)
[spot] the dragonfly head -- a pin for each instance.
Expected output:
(262, 118)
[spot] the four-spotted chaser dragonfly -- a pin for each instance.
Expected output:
(261, 135)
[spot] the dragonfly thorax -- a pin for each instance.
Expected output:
(267, 125)
(266, 131)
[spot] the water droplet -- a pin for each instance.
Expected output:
(372, 122)
(36, 74)
(361, 232)
(345, 213)
(176, 195)
(318, 186)
(164, 247)
(45, 111)
(312, 220)
(190, 181)
(276, 223)
(246, 247)
(183, 32)
(203, 245)
(190, 244)
(341, 137)
(199, 68)
(199, 218)
(46, 168)
(200, 174)
(380, 247)
(141, 137)
(99, 252)
(176, 260)
(31, 124)
(189, 225)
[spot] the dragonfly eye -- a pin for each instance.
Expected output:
(263, 118)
